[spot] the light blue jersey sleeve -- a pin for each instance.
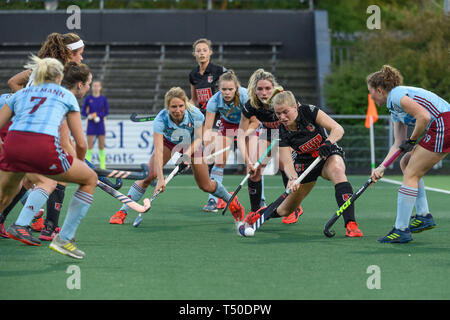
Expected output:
(4, 97)
(197, 116)
(395, 108)
(214, 103)
(10, 101)
(72, 103)
(397, 94)
(160, 122)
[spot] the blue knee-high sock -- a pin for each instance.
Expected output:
(263, 197)
(421, 201)
(36, 199)
(136, 192)
(221, 192)
(25, 197)
(405, 204)
(78, 207)
(216, 175)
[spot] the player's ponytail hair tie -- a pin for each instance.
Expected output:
(283, 97)
(275, 91)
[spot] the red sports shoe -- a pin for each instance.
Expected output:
(236, 209)
(221, 204)
(252, 216)
(352, 230)
(38, 222)
(3, 231)
(293, 217)
(118, 218)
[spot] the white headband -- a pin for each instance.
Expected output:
(75, 45)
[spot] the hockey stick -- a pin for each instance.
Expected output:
(246, 232)
(123, 174)
(124, 199)
(135, 118)
(174, 172)
(104, 179)
(180, 168)
(331, 233)
(258, 162)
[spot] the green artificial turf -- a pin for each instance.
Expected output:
(180, 252)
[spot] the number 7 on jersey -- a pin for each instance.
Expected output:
(41, 101)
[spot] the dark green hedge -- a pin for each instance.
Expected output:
(419, 48)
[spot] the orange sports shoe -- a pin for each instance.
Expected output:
(252, 216)
(352, 230)
(118, 218)
(236, 209)
(38, 222)
(293, 217)
(221, 204)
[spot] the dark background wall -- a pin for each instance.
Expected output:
(294, 29)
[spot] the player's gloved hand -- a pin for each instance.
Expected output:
(325, 149)
(184, 163)
(97, 119)
(407, 145)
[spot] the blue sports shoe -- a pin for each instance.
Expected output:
(211, 206)
(421, 223)
(396, 236)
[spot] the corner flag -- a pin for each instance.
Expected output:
(371, 111)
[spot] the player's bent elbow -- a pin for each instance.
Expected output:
(426, 117)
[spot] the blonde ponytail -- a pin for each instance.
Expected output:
(283, 98)
(45, 70)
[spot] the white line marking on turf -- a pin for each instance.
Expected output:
(426, 188)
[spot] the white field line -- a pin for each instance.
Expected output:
(426, 188)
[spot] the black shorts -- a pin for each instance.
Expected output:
(301, 164)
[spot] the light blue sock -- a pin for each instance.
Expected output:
(263, 197)
(221, 192)
(421, 201)
(216, 175)
(135, 193)
(78, 207)
(25, 197)
(36, 199)
(405, 204)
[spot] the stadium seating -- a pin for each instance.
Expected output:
(136, 76)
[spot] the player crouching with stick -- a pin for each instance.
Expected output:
(173, 126)
(302, 128)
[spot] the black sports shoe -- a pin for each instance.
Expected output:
(23, 234)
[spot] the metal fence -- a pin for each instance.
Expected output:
(355, 142)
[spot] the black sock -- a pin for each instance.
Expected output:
(13, 203)
(254, 191)
(285, 178)
(343, 192)
(271, 211)
(54, 205)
